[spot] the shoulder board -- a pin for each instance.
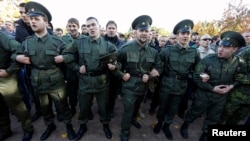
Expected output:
(241, 60)
(56, 38)
(169, 45)
(127, 44)
(29, 36)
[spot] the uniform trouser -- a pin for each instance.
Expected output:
(59, 97)
(237, 107)
(10, 98)
(131, 104)
(191, 88)
(210, 102)
(169, 104)
(85, 102)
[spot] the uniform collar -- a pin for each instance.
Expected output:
(42, 39)
(98, 40)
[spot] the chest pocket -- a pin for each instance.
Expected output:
(189, 62)
(149, 63)
(173, 61)
(50, 52)
(103, 52)
(132, 62)
(32, 55)
(83, 51)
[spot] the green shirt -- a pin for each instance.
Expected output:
(46, 74)
(136, 61)
(220, 71)
(8, 49)
(177, 61)
(86, 51)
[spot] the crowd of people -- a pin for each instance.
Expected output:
(41, 66)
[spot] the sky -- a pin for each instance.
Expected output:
(164, 13)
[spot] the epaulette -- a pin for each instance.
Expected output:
(56, 38)
(127, 44)
(28, 37)
(241, 60)
(169, 45)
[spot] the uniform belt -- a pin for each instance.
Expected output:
(137, 74)
(94, 73)
(177, 76)
(42, 68)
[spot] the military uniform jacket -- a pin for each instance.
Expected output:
(244, 79)
(69, 40)
(178, 62)
(136, 61)
(8, 48)
(86, 51)
(221, 71)
(46, 75)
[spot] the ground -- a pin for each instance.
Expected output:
(95, 131)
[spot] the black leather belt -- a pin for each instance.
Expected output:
(94, 73)
(136, 74)
(178, 76)
(42, 68)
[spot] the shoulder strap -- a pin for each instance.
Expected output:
(26, 48)
(81, 48)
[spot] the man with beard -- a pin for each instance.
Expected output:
(139, 63)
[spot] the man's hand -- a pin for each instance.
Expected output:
(59, 59)
(222, 89)
(145, 78)
(3, 73)
(111, 66)
(23, 59)
(82, 69)
(205, 77)
(126, 77)
(154, 73)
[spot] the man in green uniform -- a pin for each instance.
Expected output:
(215, 76)
(237, 107)
(178, 61)
(41, 52)
(71, 76)
(139, 63)
(84, 58)
(9, 95)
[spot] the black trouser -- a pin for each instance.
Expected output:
(4, 111)
(26, 89)
(114, 88)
